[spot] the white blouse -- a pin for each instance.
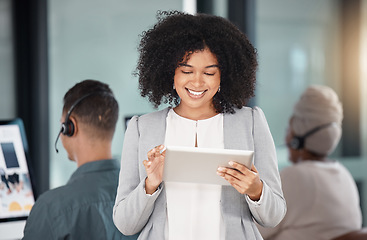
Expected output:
(193, 210)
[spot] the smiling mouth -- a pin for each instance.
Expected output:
(196, 93)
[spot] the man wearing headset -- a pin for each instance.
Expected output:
(82, 209)
(321, 195)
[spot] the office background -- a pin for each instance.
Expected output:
(46, 46)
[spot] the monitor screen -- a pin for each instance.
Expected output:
(16, 191)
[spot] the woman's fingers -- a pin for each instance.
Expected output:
(152, 153)
(237, 171)
(154, 167)
(156, 152)
(244, 180)
(242, 168)
(233, 176)
(146, 163)
(253, 168)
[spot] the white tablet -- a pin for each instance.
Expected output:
(199, 165)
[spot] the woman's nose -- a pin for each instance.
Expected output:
(197, 80)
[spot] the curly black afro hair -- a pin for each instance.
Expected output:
(164, 46)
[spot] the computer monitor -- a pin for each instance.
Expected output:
(16, 188)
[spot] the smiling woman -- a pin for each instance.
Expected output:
(206, 69)
(196, 81)
(164, 49)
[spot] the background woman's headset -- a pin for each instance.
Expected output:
(298, 142)
(67, 127)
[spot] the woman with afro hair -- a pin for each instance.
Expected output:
(205, 68)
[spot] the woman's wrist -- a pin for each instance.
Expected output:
(149, 187)
(256, 196)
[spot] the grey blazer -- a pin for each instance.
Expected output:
(247, 129)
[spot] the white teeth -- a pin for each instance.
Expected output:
(195, 93)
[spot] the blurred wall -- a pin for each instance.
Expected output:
(298, 45)
(7, 83)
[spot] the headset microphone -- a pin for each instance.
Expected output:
(57, 139)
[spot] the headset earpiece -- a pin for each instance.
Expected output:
(67, 128)
(298, 142)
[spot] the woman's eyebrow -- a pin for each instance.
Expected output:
(187, 65)
(184, 65)
(211, 66)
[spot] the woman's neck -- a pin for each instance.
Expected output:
(309, 156)
(195, 114)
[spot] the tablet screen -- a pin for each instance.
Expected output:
(199, 165)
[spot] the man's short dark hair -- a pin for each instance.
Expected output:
(99, 110)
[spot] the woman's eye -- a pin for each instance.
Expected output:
(210, 74)
(186, 72)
